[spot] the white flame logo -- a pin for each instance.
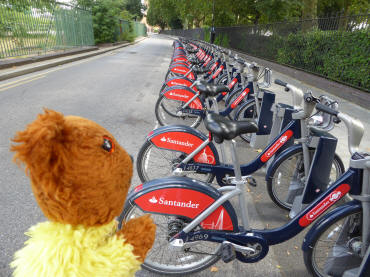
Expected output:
(335, 195)
(163, 139)
(283, 139)
(153, 200)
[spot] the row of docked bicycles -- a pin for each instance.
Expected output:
(187, 183)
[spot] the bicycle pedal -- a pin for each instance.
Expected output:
(227, 252)
(252, 182)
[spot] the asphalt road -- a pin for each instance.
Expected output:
(117, 90)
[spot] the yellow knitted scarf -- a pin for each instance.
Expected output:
(63, 250)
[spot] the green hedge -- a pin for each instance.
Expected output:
(337, 55)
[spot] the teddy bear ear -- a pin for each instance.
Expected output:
(37, 146)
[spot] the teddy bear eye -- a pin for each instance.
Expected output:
(108, 144)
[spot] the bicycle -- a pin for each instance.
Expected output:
(197, 225)
(176, 149)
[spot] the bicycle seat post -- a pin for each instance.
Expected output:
(215, 105)
(240, 185)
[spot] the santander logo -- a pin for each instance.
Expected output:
(240, 98)
(178, 95)
(172, 83)
(276, 146)
(325, 204)
(232, 83)
(153, 200)
(283, 139)
(165, 202)
(335, 196)
(179, 70)
(177, 142)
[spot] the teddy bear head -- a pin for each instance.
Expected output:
(79, 173)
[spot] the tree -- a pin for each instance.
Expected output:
(105, 15)
(163, 13)
(198, 13)
(134, 7)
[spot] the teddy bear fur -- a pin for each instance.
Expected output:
(78, 183)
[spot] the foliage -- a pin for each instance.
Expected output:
(222, 39)
(128, 32)
(105, 20)
(335, 54)
(162, 12)
(24, 5)
(134, 7)
(107, 15)
(198, 13)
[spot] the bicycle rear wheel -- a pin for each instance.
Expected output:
(163, 260)
(335, 250)
(153, 163)
(166, 113)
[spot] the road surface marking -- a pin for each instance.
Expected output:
(18, 83)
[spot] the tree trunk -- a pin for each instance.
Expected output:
(309, 12)
(343, 19)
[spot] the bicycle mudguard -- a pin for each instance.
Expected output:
(183, 70)
(328, 219)
(183, 197)
(184, 139)
(180, 59)
(180, 81)
(179, 63)
(183, 94)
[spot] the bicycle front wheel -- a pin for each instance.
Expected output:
(153, 163)
(336, 249)
(163, 260)
(290, 172)
(166, 112)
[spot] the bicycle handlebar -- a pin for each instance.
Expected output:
(326, 109)
(297, 93)
(355, 127)
(280, 83)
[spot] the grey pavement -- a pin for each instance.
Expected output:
(59, 59)
(118, 90)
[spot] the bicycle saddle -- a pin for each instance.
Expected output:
(222, 128)
(191, 50)
(200, 70)
(210, 89)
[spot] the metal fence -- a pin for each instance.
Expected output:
(139, 29)
(129, 30)
(34, 27)
(336, 47)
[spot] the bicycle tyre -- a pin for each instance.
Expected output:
(165, 112)
(295, 158)
(247, 112)
(232, 96)
(161, 163)
(161, 251)
(342, 243)
(222, 80)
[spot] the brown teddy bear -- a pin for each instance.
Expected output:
(80, 176)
